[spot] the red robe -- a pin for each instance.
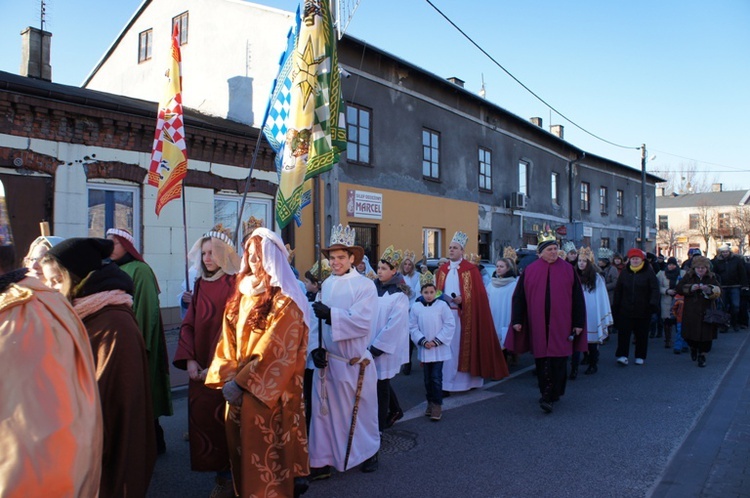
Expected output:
(480, 353)
(199, 334)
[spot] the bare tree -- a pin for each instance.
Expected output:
(686, 179)
(741, 227)
(667, 237)
(706, 224)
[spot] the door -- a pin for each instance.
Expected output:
(29, 202)
(366, 236)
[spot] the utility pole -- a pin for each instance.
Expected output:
(642, 245)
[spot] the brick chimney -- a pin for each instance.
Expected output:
(537, 121)
(716, 187)
(557, 130)
(35, 54)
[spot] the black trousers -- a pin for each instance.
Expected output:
(551, 374)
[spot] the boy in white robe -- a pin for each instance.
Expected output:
(432, 326)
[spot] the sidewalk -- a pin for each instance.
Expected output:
(714, 459)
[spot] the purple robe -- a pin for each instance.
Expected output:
(548, 302)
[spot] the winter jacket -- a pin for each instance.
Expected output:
(636, 296)
(730, 271)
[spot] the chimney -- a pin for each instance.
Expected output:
(456, 81)
(35, 54)
(557, 130)
(661, 191)
(536, 121)
(716, 187)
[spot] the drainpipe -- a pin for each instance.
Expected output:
(571, 190)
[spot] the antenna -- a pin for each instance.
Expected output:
(42, 14)
(482, 91)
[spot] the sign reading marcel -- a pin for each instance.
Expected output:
(361, 204)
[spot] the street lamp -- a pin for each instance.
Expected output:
(643, 198)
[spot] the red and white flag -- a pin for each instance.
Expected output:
(169, 156)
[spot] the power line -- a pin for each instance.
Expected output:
(524, 86)
(733, 169)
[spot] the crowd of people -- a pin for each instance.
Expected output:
(290, 378)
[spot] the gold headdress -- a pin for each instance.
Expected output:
(410, 255)
(289, 249)
(426, 278)
(545, 238)
(220, 232)
(510, 253)
(250, 225)
(325, 273)
(587, 254)
(392, 257)
(474, 258)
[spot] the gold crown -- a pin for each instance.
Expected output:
(510, 253)
(290, 256)
(372, 275)
(392, 257)
(474, 258)
(325, 273)
(426, 278)
(546, 236)
(342, 235)
(220, 232)
(586, 253)
(251, 224)
(410, 255)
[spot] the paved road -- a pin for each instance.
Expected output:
(666, 429)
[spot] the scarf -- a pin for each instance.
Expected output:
(88, 305)
(673, 276)
(502, 281)
(214, 276)
(251, 286)
(395, 284)
(636, 269)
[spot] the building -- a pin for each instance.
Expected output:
(703, 220)
(426, 157)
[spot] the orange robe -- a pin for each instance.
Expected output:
(267, 434)
(50, 416)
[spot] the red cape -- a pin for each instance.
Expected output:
(480, 353)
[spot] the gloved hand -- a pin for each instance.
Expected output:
(322, 311)
(319, 357)
(232, 393)
(375, 351)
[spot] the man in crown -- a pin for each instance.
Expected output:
(475, 350)
(390, 334)
(547, 318)
(344, 421)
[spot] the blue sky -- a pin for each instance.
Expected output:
(671, 74)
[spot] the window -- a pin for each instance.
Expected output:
(554, 180)
(485, 169)
(113, 206)
(603, 200)
(585, 196)
(431, 238)
(523, 177)
(145, 42)
(182, 24)
(604, 242)
(663, 222)
(358, 134)
(694, 221)
(724, 221)
(227, 207)
(430, 154)
(620, 202)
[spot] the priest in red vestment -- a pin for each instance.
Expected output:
(475, 349)
(547, 318)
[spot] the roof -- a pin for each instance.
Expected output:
(84, 97)
(709, 199)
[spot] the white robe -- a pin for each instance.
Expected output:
(598, 311)
(390, 334)
(413, 283)
(453, 380)
(500, 306)
(430, 322)
(353, 302)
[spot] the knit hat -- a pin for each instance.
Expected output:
(672, 261)
(636, 253)
(700, 261)
(80, 256)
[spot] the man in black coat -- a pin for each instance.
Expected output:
(730, 270)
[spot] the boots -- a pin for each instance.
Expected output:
(667, 336)
(593, 363)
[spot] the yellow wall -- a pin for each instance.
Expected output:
(404, 216)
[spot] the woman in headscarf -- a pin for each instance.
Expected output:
(259, 365)
(37, 250)
(101, 295)
(215, 261)
(701, 289)
(500, 294)
(148, 316)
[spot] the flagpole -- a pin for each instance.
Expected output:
(247, 185)
(184, 228)
(317, 246)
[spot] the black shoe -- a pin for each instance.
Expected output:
(319, 473)
(406, 368)
(393, 418)
(446, 394)
(301, 485)
(161, 444)
(371, 464)
(546, 406)
(701, 361)
(591, 370)
(693, 354)
(573, 373)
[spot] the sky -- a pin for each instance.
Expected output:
(671, 74)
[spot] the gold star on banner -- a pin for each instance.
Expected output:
(307, 71)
